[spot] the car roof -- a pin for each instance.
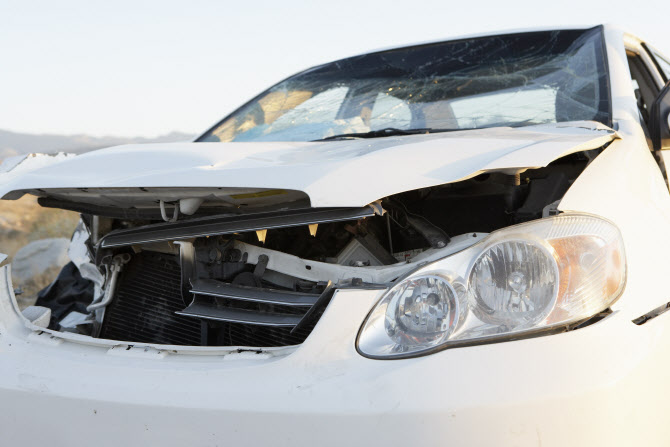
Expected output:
(499, 32)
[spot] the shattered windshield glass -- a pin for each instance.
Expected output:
(509, 80)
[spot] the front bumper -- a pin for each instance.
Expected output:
(600, 385)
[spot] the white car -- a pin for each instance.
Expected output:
(452, 243)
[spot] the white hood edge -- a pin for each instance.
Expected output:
(332, 173)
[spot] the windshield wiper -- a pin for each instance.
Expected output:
(392, 131)
(387, 132)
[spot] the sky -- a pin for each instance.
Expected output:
(146, 68)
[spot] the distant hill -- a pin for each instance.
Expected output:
(13, 143)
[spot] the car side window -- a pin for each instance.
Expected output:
(643, 84)
(664, 66)
(661, 62)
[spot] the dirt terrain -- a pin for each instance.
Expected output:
(23, 221)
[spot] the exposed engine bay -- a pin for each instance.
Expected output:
(263, 278)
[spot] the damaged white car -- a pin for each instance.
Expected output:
(459, 242)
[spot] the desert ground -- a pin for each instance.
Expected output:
(23, 221)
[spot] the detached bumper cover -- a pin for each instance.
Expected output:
(594, 386)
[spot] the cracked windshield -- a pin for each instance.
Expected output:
(511, 80)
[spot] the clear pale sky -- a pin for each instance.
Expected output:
(144, 68)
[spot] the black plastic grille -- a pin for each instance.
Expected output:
(236, 334)
(147, 297)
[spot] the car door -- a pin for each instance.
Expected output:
(648, 75)
(660, 120)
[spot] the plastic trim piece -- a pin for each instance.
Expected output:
(208, 311)
(652, 314)
(218, 225)
(212, 287)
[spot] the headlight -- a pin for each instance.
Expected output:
(521, 280)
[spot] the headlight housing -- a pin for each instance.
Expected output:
(519, 281)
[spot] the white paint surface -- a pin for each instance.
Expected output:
(332, 173)
(605, 384)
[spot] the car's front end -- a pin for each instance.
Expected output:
(462, 257)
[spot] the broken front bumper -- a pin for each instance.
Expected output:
(594, 386)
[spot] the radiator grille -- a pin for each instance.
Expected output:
(149, 294)
(262, 336)
(143, 310)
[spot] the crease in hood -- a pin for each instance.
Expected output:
(332, 173)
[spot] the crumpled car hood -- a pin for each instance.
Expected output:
(331, 173)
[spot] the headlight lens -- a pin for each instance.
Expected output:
(520, 280)
(514, 283)
(421, 311)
